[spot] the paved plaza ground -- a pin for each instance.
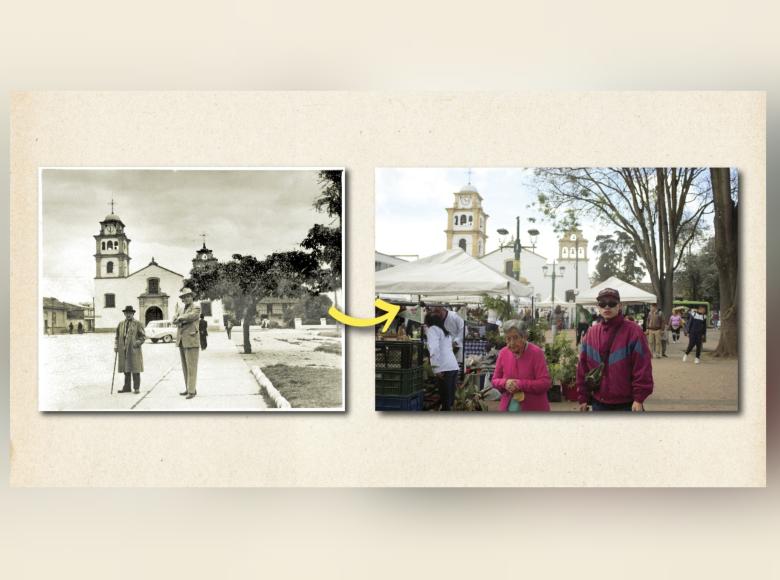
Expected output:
(76, 371)
(706, 387)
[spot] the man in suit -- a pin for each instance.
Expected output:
(129, 337)
(188, 341)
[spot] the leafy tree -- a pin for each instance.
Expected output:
(698, 278)
(309, 310)
(659, 209)
(245, 280)
(617, 257)
(325, 241)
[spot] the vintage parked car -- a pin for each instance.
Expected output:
(163, 330)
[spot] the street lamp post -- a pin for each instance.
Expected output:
(553, 276)
(517, 246)
(574, 238)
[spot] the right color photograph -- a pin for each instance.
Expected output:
(571, 289)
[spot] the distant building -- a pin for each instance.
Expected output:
(62, 317)
(385, 261)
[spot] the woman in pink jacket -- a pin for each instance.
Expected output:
(521, 368)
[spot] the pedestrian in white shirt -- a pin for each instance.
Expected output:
(443, 361)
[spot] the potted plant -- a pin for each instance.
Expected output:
(562, 362)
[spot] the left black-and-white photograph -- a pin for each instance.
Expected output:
(190, 289)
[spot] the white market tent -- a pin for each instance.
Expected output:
(628, 293)
(449, 274)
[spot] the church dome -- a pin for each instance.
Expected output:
(112, 217)
(468, 188)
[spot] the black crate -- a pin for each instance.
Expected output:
(401, 354)
(398, 381)
(412, 402)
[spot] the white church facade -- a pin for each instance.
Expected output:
(153, 290)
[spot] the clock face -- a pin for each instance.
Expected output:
(465, 201)
(573, 237)
(110, 229)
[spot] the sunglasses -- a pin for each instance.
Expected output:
(610, 304)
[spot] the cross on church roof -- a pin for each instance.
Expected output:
(112, 204)
(204, 240)
(469, 176)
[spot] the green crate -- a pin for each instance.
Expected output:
(398, 381)
(398, 354)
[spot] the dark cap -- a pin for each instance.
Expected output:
(608, 293)
(129, 309)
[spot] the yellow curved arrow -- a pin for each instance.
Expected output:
(390, 309)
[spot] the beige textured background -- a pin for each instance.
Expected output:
(362, 131)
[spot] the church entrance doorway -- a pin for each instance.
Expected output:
(153, 313)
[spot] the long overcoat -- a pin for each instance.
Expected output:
(131, 359)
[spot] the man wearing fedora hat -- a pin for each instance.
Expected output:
(188, 341)
(129, 337)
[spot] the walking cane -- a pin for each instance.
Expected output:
(113, 371)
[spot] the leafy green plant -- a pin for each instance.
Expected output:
(561, 359)
(467, 397)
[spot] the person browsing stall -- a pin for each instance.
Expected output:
(615, 371)
(521, 368)
(455, 326)
(443, 361)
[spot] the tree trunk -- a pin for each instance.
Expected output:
(245, 326)
(726, 253)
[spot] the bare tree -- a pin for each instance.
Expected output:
(660, 209)
(724, 194)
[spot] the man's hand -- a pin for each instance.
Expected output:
(637, 406)
(583, 407)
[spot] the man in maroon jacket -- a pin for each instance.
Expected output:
(627, 373)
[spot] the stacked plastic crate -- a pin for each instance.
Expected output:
(399, 375)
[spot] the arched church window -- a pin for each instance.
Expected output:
(153, 285)
(102, 245)
(463, 220)
(471, 220)
(565, 252)
(456, 220)
(462, 244)
(581, 252)
(109, 267)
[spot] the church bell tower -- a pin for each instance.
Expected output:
(467, 222)
(112, 248)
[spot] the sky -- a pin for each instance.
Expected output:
(165, 212)
(411, 202)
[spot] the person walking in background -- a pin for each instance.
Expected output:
(187, 341)
(614, 372)
(655, 326)
(696, 331)
(227, 320)
(129, 337)
(583, 322)
(203, 328)
(521, 369)
(675, 325)
(443, 361)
